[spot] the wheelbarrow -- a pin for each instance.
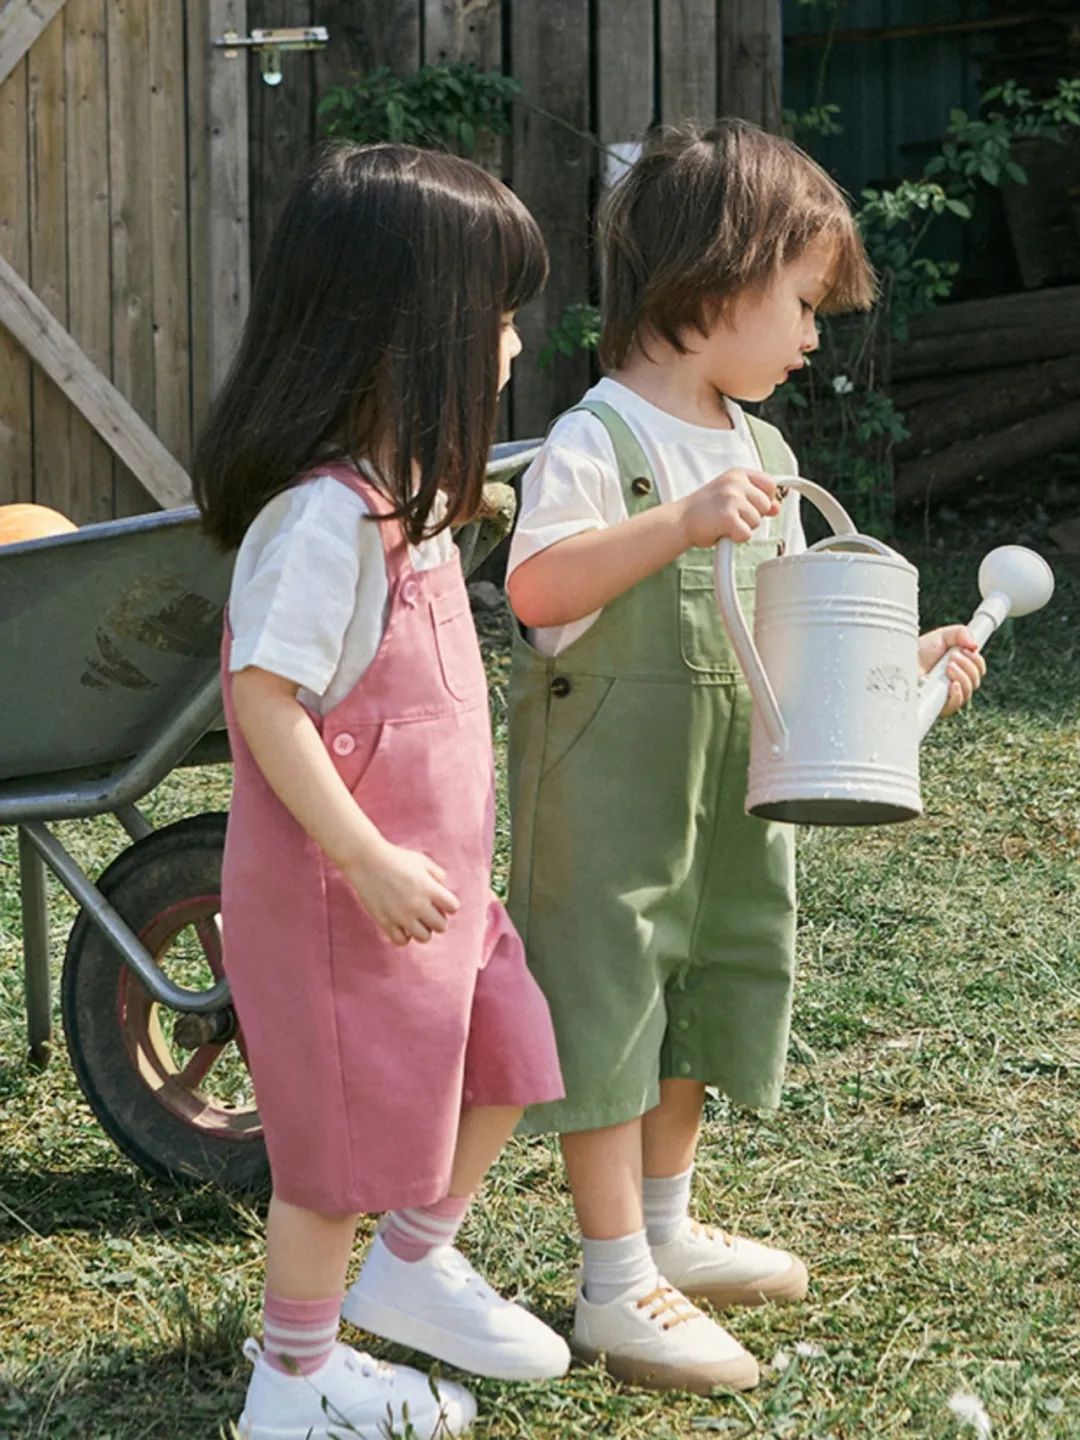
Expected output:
(109, 640)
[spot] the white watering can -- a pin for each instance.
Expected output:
(839, 706)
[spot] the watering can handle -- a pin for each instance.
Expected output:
(727, 598)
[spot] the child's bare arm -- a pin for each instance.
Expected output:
(403, 891)
(577, 576)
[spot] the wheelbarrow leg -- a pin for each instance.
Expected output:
(35, 919)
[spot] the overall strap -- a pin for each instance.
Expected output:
(771, 446)
(635, 473)
(391, 533)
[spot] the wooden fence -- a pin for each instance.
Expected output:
(140, 170)
(593, 74)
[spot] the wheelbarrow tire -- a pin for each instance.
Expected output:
(152, 878)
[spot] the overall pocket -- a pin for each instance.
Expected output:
(458, 648)
(703, 638)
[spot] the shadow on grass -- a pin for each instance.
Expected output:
(106, 1200)
(124, 1394)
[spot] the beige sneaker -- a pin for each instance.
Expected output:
(726, 1270)
(656, 1338)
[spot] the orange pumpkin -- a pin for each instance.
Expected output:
(31, 522)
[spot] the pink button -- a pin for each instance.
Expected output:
(409, 591)
(343, 745)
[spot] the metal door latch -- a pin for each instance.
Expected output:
(269, 45)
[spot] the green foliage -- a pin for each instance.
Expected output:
(578, 328)
(818, 121)
(846, 433)
(442, 107)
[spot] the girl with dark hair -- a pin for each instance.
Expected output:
(392, 1029)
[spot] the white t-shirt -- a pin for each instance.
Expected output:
(309, 589)
(573, 484)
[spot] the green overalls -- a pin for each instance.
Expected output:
(658, 917)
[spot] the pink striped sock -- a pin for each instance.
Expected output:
(298, 1335)
(412, 1234)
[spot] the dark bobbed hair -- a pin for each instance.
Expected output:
(706, 213)
(373, 334)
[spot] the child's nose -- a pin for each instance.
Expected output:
(811, 337)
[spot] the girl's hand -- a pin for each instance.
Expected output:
(405, 893)
(966, 668)
(734, 504)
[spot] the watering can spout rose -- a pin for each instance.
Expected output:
(840, 707)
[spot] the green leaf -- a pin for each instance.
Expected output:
(959, 208)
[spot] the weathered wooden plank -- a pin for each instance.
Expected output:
(365, 34)
(130, 180)
(168, 229)
(469, 30)
(51, 347)
(229, 252)
(688, 59)
(197, 76)
(21, 22)
(16, 441)
(281, 118)
(1036, 309)
(625, 70)
(89, 311)
(48, 253)
(552, 171)
(749, 59)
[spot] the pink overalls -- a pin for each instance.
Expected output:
(363, 1054)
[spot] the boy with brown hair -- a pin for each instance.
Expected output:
(658, 917)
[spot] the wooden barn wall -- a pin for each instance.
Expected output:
(607, 68)
(95, 200)
(123, 155)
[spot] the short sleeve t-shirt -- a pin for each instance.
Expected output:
(573, 484)
(309, 591)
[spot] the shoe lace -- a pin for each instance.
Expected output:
(710, 1232)
(368, 1366)
(457, 1263)
(665, 1300)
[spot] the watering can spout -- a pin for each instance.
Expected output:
(1013, 580)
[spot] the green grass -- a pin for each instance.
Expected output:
(925, 1159)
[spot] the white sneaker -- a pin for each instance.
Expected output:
(353, 1395)
(655, 1337)
(727, 1270)
(439, 1305)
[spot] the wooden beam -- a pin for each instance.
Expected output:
(21, 22)
(749, 60)
(228, 221)
(914, 32)
(50, 346)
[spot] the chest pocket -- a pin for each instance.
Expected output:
(703, 637)
(459, 650)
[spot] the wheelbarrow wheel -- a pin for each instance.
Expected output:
(172, 1090)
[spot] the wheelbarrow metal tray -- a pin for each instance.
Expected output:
(105, 634)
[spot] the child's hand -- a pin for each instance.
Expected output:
(733, 504)
(966, 668)
(405, 894)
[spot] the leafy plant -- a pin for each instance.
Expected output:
(846, 432)
(442, 107)
(578, 328)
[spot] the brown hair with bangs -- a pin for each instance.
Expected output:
(704, 214)
(373, 334)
